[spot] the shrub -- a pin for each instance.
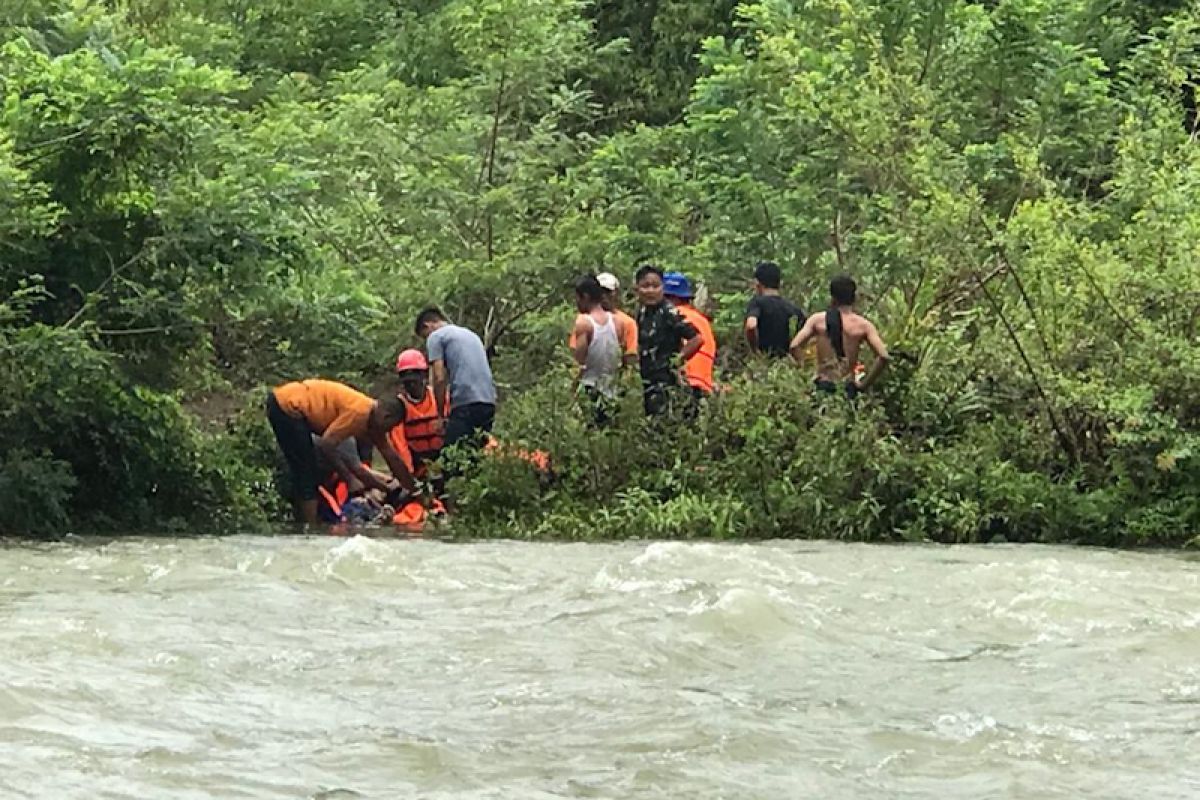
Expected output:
(132, 457)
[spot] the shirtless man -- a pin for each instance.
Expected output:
(840, 332)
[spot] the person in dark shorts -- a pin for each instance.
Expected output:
(769, 316)
(462, 379)
(665, 341)
(333, 412)
(840, 333)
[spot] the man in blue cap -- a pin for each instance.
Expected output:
(698, 370)
(663, 334)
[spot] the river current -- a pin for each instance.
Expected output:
(318, 667)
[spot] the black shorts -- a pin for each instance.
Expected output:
(829, 387)
(693, 397)
(670, 399)
(295, 440)
(657, 398)
(469, 424)
(602, 407)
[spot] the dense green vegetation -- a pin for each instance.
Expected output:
(199, 198)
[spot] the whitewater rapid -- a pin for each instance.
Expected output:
(343, 668)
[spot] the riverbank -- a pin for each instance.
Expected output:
(197, 205)
(766, 459)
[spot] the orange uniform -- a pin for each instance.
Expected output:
(699, 368)
(332, 410)
(417, 439)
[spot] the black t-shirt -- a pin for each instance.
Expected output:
(774, 315)
(661, 334)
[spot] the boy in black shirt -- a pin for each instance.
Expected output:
(769, 316)
(662, 335)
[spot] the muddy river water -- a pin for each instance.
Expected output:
(319, 667)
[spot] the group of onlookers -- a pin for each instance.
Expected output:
(447, 397)
(674, 347)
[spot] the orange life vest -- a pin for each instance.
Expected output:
(420, 427)
(335, 493)
(335, 499)
(699, 368)
(413, 516)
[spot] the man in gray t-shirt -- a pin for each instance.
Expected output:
(461, 369)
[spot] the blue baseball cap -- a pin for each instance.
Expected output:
(676, 284)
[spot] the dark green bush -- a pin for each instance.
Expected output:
(103, 453)
(770, 459)
(37, 494)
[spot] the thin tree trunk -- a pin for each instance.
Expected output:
(490, 237)
(1067, 444)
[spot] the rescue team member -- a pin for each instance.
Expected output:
(334, 412)
(663, 334)
(839, 334)
(596, 347)
(419, 438)
(462, 379)
(697, 370)
(769, 316)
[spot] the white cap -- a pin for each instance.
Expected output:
(608, 282)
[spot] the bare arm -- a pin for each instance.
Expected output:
(628, 342)
(805, 336)
(751, 329)
(349, 470)
(328, 449)
(395, 463)
(875, 342)
(630, 358)
(691, 347)
(440, 384)
(582, 336)
(368, 477)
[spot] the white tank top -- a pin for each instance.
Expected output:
(603, 358)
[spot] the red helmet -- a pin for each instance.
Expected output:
(412, 361)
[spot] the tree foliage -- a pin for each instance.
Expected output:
(201, 198)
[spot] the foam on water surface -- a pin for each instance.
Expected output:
(360, 667)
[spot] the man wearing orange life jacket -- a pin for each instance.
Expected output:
(419, 438)
(698, 370)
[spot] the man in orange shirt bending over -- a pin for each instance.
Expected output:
(334, 412)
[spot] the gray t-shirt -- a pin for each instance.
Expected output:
(350, 451)
(466, 364)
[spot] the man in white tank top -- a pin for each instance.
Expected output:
(596, 349)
